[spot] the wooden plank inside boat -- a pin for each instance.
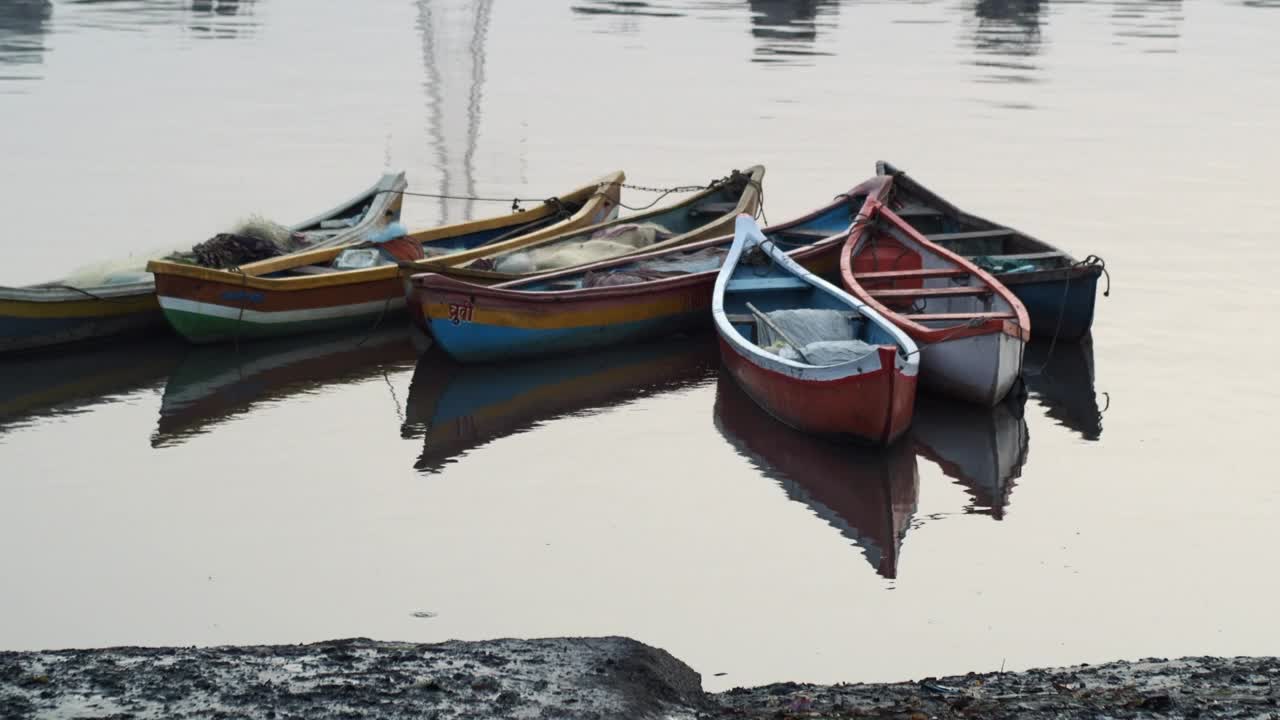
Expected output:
(958, 291)
(973, 235)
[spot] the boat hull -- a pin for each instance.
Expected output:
(873, 407)
(977, 368)
(27, 324)
(205, 311)
(1060, 302)
(474, 326)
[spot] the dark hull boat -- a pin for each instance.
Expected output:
(1058, 291)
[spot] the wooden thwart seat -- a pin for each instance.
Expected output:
(713, 208)
(957, 291)
(974, 235)
(749, 319)
(907, 211)
(313, 270)
(912, 274)
(789, 282)
(925, 317)
(806, 234)
(1030, 256)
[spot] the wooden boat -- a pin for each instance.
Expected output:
(868, 495)
(215, 384)
(458, 408)
(706, 214)
(305, 292)
(614, 301)
(1058, 291)
(59, 312)
(970, 328)
(983, 449)
(810, 354)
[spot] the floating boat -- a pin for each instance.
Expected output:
(332, 288)
(458, 408)
(706, 214)
(810, 354)
(614, 301)
(869, 495)
(1058, 291)
(983, 449)
(970, 328)
(215, 384)
(124, 302)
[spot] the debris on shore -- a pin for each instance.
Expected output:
(583, 678)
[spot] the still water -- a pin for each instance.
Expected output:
(293, 492)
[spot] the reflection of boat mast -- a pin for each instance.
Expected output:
(453, 38)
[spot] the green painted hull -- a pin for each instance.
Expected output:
(203, 329)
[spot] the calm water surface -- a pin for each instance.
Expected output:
(291, 492)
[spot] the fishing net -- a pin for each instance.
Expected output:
(252, 239)
(603, 244)
(658, 268)
(824, 337)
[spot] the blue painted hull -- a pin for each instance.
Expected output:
(1070, 294)
(477, 342)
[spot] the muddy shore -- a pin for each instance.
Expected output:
(581, 678)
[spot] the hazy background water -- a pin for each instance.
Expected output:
(294, 492)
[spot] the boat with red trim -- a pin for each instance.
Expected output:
(971, 329)
(810, 354)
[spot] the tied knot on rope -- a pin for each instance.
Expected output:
(1094, 260)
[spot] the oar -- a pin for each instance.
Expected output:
(779, 331)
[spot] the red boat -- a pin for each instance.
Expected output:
(810, 354)
(971, 329)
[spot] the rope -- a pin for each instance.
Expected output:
(369, 333)
(244, 299)
(89, 294)
(515, 201)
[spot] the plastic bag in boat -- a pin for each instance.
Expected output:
(825, 336)
(359, 258)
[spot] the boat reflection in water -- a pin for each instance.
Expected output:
(982, 448)
(1062, 382)
(868, 494)
(457, 408)
(216, 383)
(43, 384)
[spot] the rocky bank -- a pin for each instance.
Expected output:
(581, 678)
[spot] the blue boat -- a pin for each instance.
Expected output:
(1058, 291)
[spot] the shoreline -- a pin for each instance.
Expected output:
(586, 678)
